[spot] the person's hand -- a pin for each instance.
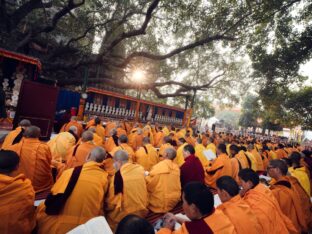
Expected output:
(169, 221)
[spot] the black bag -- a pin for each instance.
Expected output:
(55, 203)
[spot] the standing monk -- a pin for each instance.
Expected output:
(163, 184)
(16, 197)
(73, 122)
(146, 155)
(127, 193)
(35, 159)
(16, 135)
(86, 200)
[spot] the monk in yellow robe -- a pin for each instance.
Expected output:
(136, 138)
(189, 139)
(263, 204)
(298, 171)
(120, 130)
(238, 211)
(112, 141)
(158, 138)
(35, 159)
(237, 153)
(198, 205)
(16, 197)
(79, 153)
(147, 132)
(73, 122)
(163, 184)
(259, 163)
(221, 166)
(109, 127)
(127, 194)
(199, 153)
(84, 203)
(180, 159)
(146, 155)
(123, 145)
(211, 146)
(99, 129)
(166, 144)
(287, 199)
(16, 135)
(97, 140)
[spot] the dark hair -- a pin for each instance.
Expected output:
(123, 139)
(199, 194)
(189, 148)
(228, 184)
(167, 139)
(182, 140)
(234, 148)
(281, 146)
(295, 158)
(8, 161)
(248, 174)
(280, 164)
(222, 148)
(97, 120)
(243, 148)
(132, 224)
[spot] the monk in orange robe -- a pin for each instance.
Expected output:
(199, 152)
(109, 127)
(263, 204)
(259, 163)
(112, 141)
(97, 140)
(288, 201)
(220, 166)
(198, 205)
(136, 138)
(79, 153)
(189, 139)
(73, 122)
(16, 197)
(120, 130)
(84, 203)
(158, 137)
(16, 135)
(127, 193)
(99, 129)
(280, 152)
(146, 155)
(235, 208)
(35, 159)
(166, 144)
(147, 132)
(122, 145)
(163, 184)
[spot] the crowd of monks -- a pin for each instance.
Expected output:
(123, 168)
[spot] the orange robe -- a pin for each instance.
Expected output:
(134, 198)
(281, 153)
(158, 139)
(235, 168)
(110, 144)
(241, 215)
(109, 127)
(125, 147)
(35, 162)
(146, 156)
(242, 159)
(267, 210)
(199, 153)
(90, 123)
(66, 127)
(100, 131)
(289, 203)
(85, 202)
(16, 205)
(97, 140)
(163, 186)
(8, 141)
(78, 154)
(190, 140)
(121, 131)
(220, 167)
(258, 159)
(218, 222)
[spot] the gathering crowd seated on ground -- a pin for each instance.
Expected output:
(123, 177)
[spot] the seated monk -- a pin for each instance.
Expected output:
(86, 200)
(199, 152)
(192, 169)
(120, 130)
(281, 152)
(166, 144)
(112, 141)
(79, 153)
(136, 139)
(180, 159)
(259, 163)
(16, 135)
(73, 122)
(127, 193)
(61, 144)
(159, 137)
(35, 159)
(133, 224)
(287, 199)
(299, 171)
(263, 204)
(17, 197)
(238, 211)
(99, 129)
(146, 155)
(122, 145)
(163, 184)
(198, 205)
(221, 166)
(97, 140)
(210, 145)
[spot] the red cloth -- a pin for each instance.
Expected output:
(192, 170)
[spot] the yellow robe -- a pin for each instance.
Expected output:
(82, 152)
(146, 157)
(133, 200)
(253, 161)
(66, 127)
(258, 159)
(212, 147)
(179, 158)
(110, 144)
(302, 177)
(100, 131)
(199, 153)
(163, 186)
(125, 147)
(8, 141)
(97, 140)
(35, 162)
(85, 202)
(16, 205)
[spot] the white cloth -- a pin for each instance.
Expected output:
(97, 225)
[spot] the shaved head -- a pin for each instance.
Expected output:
(123, 139)
(121, 155)
(170, 153)
(24, 123)
(32, 132)
(92, 129)
(73, 129)
(9, 161)
(87, 136)
(146, 140)
(97, 154)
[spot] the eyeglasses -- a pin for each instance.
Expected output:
(270, 167)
